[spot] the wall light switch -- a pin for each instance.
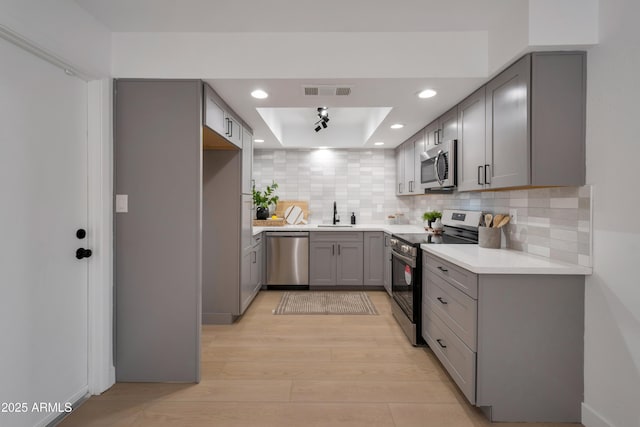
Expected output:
(122, 203)
(513, 213)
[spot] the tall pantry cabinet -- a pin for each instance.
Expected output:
(179, 242)
(158, 240)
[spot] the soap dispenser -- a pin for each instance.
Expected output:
(353, 218)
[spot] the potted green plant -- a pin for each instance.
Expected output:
(431, 216)
(263, 199)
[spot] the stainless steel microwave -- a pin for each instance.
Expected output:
(438, 166)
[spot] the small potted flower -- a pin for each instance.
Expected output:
(263, 199)
(430, 216)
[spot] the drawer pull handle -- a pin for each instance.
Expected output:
(439, 341)
(442, 301)
(441, 268)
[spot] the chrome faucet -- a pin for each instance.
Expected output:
(336, 217)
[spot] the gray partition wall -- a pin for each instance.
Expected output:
(158, 254)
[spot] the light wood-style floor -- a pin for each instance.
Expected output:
(281, 371)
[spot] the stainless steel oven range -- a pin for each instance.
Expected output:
(460, 227)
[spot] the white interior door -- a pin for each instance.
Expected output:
(43, 287)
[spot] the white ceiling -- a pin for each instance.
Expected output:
(287, 106)
(294, 15)
(286, 118)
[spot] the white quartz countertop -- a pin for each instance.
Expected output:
(358, 227)
(502, 261)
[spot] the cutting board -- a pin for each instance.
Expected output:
(283, 205)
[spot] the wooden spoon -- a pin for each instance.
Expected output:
(497, 219)
(504, 221)
(487, 220)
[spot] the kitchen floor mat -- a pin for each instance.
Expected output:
(325, 302)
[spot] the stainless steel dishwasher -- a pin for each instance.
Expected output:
(287, 259)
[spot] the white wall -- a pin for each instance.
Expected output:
(612, 336)
(62, 28)
(563, 22)
(300, 55)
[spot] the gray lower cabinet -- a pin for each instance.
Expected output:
(387, 263)
(251, 274)
(512, 343)
(374, 256)
(336, 259)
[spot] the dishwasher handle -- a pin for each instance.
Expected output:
(287, 234)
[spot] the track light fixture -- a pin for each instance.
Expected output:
(323, 114)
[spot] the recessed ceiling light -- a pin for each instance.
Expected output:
(397, 126)
(427, 93)
(258, 140)
(323, 148)
(378, 143)
(259, 93)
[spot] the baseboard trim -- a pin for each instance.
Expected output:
(217, 318)
(590, 418)
(76, 400)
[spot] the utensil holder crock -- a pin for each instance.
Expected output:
(489, 237)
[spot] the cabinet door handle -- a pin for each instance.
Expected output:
(333, 250)
(443, 302)
(227, 132)
(441, 268)
(439, 341)
(255, 257)
(487, 168)
(338, 250)
(479, 174)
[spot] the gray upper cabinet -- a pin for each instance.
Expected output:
(400, 170)
(247, 161)
(448, 126)
(507, 159)
(471, 141)
(213, 111)
(233, 127)
(219, 117)
(558, 118)
(336, 259)
(431, 135)
(408, 165)
(374, 258)
(444, 128)
(534, 131)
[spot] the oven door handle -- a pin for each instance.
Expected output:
(408, 260)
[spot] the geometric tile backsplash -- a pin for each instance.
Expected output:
(550, 222)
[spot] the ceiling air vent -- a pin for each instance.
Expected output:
(326, 90)
(310, 91)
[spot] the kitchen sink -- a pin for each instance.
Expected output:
(335, 225)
